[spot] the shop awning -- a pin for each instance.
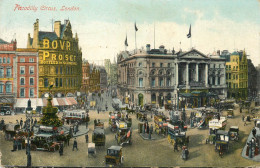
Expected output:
(22, 102)
(71, 100)
(61, 101)
(55, 102)
(185, 95)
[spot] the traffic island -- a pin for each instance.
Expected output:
(153, 136)
(251, 149)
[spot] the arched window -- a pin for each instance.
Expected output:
(168, 72)
(140, 72)
(153, 72)
(160, 72)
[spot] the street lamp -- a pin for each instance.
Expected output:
(28, 130)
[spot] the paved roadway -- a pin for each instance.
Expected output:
(140, 153)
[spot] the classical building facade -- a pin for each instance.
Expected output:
(103, 78)
(94, 80)
(7, 73)
(159, 77)
(237, 75)
(60, 59)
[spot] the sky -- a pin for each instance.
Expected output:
(102, 25)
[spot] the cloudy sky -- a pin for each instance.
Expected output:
(102, 25)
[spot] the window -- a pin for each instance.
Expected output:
(60, 70)
(140, 82)
(60, 82)
(8, 60)
(1, 87)
(21, 92)
(8, 72)
(161, 64)
(56, 82)
(0, 60)
(218, 80)
(8, 87)
(161, 72)
(22, 70)
(153, 82)
(57, 70)
(46, 82)
(236, 76)
(4, 60)
(31, 92)
(168, 82)
(140, 64)
(22, 81)
(161, 82)
(1, 72)
(169, 65)
(140, 72)
(31, 81)
(31, 70)
(153, 64)
(22, 59)
(229, 77)
(31, 59)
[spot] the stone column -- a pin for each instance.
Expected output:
(177, 74)
(197, 72)
(187, 74)
(206, 75)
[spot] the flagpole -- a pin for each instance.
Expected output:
(135, 43)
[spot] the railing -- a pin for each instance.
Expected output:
(196, 84)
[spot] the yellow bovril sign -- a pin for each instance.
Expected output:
(57, 52)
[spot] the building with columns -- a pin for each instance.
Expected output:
(159, 77)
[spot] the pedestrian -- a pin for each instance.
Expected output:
(144, 127)
(32, 121)
(243, 117)
(21, 123)
(254, 131)
(68, 141)
(61, 149)
(98, 110)
(75, 144)
(151, 128)
(240, 109)
(175, 147)
(17, 122)
(35, 121)
(147, 128)
(86, 137)
(95, 122)
(86, 125)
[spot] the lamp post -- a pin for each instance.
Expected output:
(178, 92)
(28, 130)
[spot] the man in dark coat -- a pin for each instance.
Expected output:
(61, 149)
(175, 147)
(21, 123)
(75, 144)
(147, 128)
(254, 131)
(86, 137)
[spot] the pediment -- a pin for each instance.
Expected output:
(195, 54)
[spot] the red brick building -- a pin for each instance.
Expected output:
(27, 76)
(7, 73)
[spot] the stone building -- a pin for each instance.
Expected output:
(85, 77)
(252, 80)
(103, 78)
(94, 80)
(60, 59)
(108, 68)
(236, 75)
(159, 77)
(7, 73)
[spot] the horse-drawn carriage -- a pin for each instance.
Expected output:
(214, 126)
(10, 130)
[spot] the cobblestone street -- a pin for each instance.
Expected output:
(140, 153)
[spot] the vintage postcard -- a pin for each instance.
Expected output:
(129, 83)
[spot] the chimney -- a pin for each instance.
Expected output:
(173, 51)
(36, 34)
(57, 28)
(161, 48)
(148, 47)
(218, 52)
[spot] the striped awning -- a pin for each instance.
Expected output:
(61, 101)
(71, 100)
